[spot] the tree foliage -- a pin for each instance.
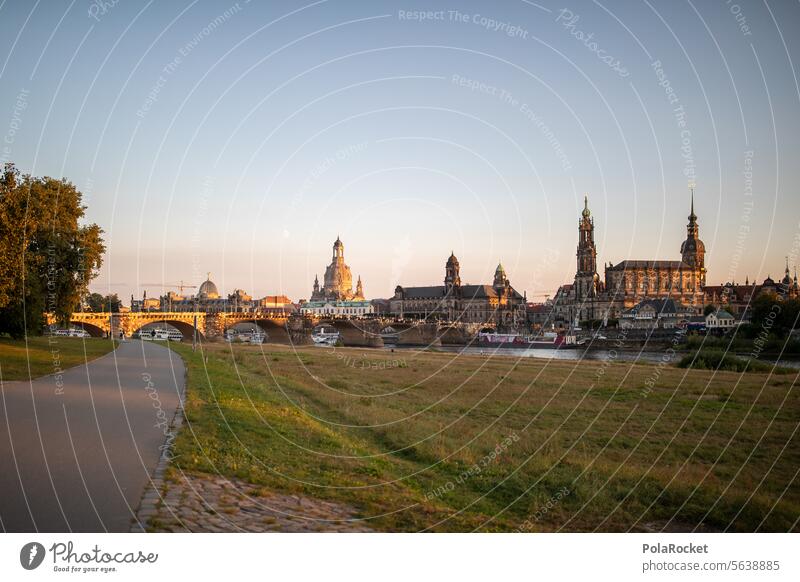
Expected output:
(773, 315)
(47, 257)
(97, 303)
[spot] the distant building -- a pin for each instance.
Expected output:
(652, 314)
(497, 304)
(338, 283)
(336, 296)
(737, 299)
(335, 308)
(539, 315)
(275, 302)
(208, 300)
(145, 303)
(630, 282)
(720, 320)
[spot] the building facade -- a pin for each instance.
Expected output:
(338, 282)
(334, 308)
(208, 300)
(737, 298)
(336, 297)
(630, 282)
(497, 304)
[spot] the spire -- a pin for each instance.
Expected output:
(586, 212)
(691, 228)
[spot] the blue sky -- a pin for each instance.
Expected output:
(242, 138)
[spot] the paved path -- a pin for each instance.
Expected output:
(78, 457)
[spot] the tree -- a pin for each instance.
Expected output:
(774, 315)
(94, 302)
(47, 258)
(710, 308)
(111, 303)
(98, 304)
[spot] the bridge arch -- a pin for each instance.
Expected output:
(90, 328)
(186, 329)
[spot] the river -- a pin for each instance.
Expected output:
(641, 357)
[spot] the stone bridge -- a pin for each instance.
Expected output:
(209, 325)
(281, 327)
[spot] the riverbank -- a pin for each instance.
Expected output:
(416, 440)
(632, 355)
(38, 356)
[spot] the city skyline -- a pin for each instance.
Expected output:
(240, 139)
(776, 274)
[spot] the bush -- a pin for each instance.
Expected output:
(720, 360)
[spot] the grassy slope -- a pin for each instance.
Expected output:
(45, 354)
(627, 456)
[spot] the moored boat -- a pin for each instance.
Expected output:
(547, 340)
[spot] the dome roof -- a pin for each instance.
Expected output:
(208, 288)
(693, 245)
(452, 260)
(585, 213)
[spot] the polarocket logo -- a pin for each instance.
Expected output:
(31, 555)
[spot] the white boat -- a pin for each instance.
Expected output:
(71, 332)
(171, 335)
(252, 337)
(144, 334)
(326, 337)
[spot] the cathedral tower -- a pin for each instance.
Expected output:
(693, 251)
(452, 279)
(500, 278)
(586, 278)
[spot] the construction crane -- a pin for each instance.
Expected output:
(179, 285)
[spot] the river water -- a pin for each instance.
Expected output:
(641, 357)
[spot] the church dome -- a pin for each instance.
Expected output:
(693, 245)
(452, 261)
(500, 278)
(208, 289)
(586, 213)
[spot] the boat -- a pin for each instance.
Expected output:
(172, 335)
(257, 337)
(159, 334)
(547, 340)
(71, 332)
(252, 337)
(325, 337)
(144, 334)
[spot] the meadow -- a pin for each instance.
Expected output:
(427, 441)
(39, 356)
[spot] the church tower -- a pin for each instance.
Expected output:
(586, 278)
(693, 251)
(500, 278)
(452, 279)
(359, 289)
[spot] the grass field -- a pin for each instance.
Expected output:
(38, 356)
(435, 441)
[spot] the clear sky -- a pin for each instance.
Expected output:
(241, 137)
